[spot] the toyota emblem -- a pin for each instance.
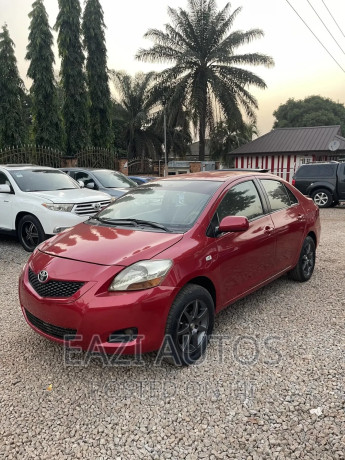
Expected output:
(97, 206)
(42, 276)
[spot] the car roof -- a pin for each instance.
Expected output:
(217, 175)
(75, 168)
(25, 166)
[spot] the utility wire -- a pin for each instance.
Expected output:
(330, 33)
(333, 18)
(287, 1)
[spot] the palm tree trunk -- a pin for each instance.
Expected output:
(202, 120)
(202, 142)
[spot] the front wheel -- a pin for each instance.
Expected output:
(190, 324)
(306, 262)
(322, 198)
(30, 232)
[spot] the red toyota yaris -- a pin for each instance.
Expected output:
(154, 267)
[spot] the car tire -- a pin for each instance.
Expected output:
(306, 262)
(30, 232)
(322, 198)
(189, 325)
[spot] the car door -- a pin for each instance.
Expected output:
(288, 219)
(245, 259)
(6, 205)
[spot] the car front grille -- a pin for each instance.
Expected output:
(54, 288)
(49, 329)
(88, 209)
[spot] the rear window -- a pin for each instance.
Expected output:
(321, 170)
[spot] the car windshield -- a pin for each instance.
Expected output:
(113, 179)
(39, 180)
(175, 205)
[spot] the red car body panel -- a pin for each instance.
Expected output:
(231, 265)
(108, 246)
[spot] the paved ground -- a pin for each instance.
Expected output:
(272, 385)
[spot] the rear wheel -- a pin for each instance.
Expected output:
(30, 232)
(190, 324)
(322, 198)
(306, 262)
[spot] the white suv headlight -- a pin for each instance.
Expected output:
(141, 275)
(58, 207)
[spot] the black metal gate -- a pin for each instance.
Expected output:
(31, 154)
(97, 158)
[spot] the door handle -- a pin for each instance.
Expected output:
(300, 217)
(268, 229)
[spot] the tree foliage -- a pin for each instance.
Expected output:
(311, 111)
(134, 108)
(205, 69)
(228, 136)
(73, 80)
(97, 75)
(47, 127)
(13, 128)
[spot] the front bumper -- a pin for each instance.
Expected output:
(92, 314)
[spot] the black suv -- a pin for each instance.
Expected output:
(323, 182)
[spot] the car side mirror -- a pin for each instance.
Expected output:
(4, 188)
(81, 183)
(90, 185)
(233, 224)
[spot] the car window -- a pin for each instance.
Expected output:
(278, 196)
(37, 180)
(113, 179)
(241, 200)
(293, 199)
(176, 204)
(4, 179)
(320, 170)
(83, 176)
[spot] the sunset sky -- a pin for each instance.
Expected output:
(302, 66)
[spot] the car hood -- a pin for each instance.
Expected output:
(108, 245)
(75, 195)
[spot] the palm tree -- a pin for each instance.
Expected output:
(227, 136)
(134, 109)
(205, 68)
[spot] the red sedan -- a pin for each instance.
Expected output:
(151, 270)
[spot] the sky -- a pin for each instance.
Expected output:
(302, 65)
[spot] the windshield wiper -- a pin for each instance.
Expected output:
(135, 222)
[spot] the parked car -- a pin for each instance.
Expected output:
(37, 202)
(141, 179)
(154, 267)
(104, 180)
(323, 182)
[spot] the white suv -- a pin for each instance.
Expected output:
(37, 202)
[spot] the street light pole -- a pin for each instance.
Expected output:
(165, 137)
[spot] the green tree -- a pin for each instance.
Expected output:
(205, 68)
(97, 74)
(311, 111)
(134, 109)
(46, 119)
(75, 112)
(13, 128)
(227, 136)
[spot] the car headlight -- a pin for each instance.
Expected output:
(141, 275)
(58, 207)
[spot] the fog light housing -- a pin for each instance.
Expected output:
(123, 335)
